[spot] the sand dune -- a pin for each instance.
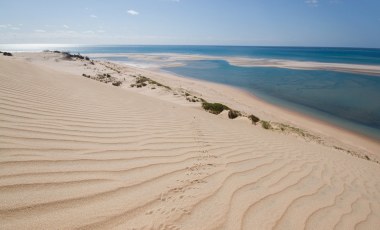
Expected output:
(77, 153)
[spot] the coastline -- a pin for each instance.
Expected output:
(246, 101)
(81, 148)
(174, 59)
(242, 100)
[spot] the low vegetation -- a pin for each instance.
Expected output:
(117, 83)
(70, 57)
(215, 108)
(105, 78)
(253, 118)
(7, 54)
(142, 81)
(232, 114)
(266, 124)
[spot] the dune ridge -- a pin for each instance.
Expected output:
(80, 154)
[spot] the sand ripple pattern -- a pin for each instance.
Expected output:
(78, 154)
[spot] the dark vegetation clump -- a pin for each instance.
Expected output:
(142, 81)
(7, 54)
(214, 108)
(105, 75)
(253, 118)
(85, 75)
(117, 83)
(69, 56)
(232, 114)
(266, 124)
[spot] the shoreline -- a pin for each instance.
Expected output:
(174, 59)
(294, 117)
(333, 135)
(241, 100)
(286, 109)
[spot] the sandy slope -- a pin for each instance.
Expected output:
(77, 153)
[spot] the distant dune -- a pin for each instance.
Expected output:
(77, 153)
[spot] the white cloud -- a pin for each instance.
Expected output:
(66, 26)
(132, 12)
(93, 16)
(88, 32)
(3, 26)
(312, 2)
(100, 31)
(15, 28)
(40, 31)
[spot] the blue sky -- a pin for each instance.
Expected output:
(349, 23)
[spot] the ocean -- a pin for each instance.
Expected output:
(347, 100)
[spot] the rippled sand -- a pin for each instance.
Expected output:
(77, 153)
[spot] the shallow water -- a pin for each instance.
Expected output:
(318, 54)
(349, 100)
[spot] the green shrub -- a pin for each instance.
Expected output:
(232, 114)
(116, 83)
(253, 118)
(266, 124)
(142, 79)
(214, 108)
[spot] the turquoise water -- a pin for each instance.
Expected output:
(351, 101)
(348, 100)
(335, 55)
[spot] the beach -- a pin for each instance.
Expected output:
(175, 59)
(80, 151)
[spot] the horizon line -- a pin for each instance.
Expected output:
(215, 45)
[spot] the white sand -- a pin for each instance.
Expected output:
(78, 153)
(172, 59)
